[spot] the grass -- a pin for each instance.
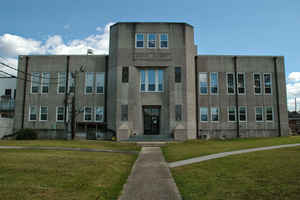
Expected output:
(195, 148)
(62, 175)
(265, 175)
(73, 143)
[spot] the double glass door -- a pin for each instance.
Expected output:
(151, 120)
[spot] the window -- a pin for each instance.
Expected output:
(89, 82)
(99, 114)
(214, 114)
(61, 82)
(8, 92)
(178, 112)
(203, 83)
(152, 80)
(203, 114)
(241, 83)
(259, 114)
(100, 82)
(44, 113)
(214, 82)
(231, 114)
(151, 40)
(230, 83)
(60, 113)
(268, 83)
(139, 40)
(269, 113)
(87, 113)
(257, 83)
(125, 74)
(71, 82)
(243, 113)
(124, 112)
(45, 82)
(177, 74)
(164, 40)
(35, 82)
(32, 113)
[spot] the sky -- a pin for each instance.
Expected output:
(231, 27)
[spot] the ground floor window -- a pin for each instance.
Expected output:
(243, 113)
(178, 112)
(214, 114)
(152, 80)
(87, 114)
(269, 113)
(60, 113)
(203, 114)
(231, 114)
(99, 114)
(44, 113)
(32, 113)
(259, 114)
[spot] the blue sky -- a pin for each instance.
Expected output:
(256, 27)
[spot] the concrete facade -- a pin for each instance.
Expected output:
(180, 52)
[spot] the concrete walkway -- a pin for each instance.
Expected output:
(68, 149)
(224, 154)
(150, 178)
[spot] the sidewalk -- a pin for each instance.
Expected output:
(150, 178)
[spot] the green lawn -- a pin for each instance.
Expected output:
(265, 175)
(72, 143)
(195, 148)
(62, 175)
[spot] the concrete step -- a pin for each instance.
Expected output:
(151, 144)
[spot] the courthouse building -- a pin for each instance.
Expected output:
(152, 85)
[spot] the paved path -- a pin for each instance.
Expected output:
(224, 154)
(150, 178)
(68, 149)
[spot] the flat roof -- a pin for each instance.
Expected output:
(184, 23)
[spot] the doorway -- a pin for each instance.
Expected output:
(151, 120)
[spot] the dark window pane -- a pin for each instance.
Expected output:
(124, 112)
(178, 112)
(177, 74)
(125, 74)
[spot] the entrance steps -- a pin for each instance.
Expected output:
(151, 138)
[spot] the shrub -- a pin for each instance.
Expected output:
(26, 134)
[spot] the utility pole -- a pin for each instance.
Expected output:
(73, 121)
(295, 104)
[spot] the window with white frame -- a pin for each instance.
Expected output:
(151, 40)
(61, 82)
(89, 82)
(259, 111)
(87, 114)
(44, 113)
(203, 114)
(45, 82)
(203, 85)
(60, 113)
(99, 114)
(163, 40)
(214, 114)
(269, 113)
(71, 83)
(139, 40)
(230, 83)
(257, 83)
(241, 83)
(268, 83)
(242, 113)
(32, 113)
(100, 82)
(231, 114)
(35, 82)
(152, 80)
(214, 82)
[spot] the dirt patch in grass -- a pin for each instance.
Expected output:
(265, 175)
(62, 175)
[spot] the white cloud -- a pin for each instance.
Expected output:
(294, 76)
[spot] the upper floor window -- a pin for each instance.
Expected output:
(99, 114)
(214, 82)
(151, 40)
(71, 82)
(257, 83)
(62, 82)
(139, 40)
(164, 40)
(203, 83)
(268, 83)
(45, 82)
(241, 83)
(32, 113)
(152, 80)
(89, 82)
(177, 74)
(35, 82)
(100, 82)
(230, 83)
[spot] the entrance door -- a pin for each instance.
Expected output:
(151, 120)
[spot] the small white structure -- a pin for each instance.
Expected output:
(6, 126)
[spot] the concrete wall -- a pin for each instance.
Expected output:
(6, 126)
(247, 65)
